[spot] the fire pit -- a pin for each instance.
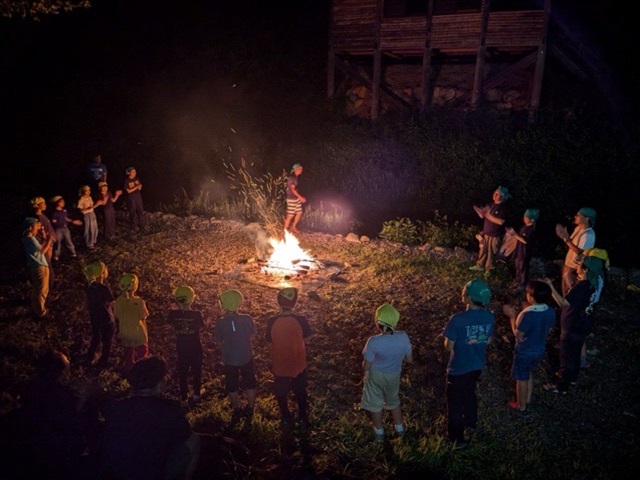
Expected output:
(288, 266)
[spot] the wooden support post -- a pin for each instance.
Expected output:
(538, 74)
(331, 74)
(481, 55)
(377, 65)
(426, 60)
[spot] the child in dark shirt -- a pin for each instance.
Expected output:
(525, 241)
(187, 324)
(101, 302)
(60, 221)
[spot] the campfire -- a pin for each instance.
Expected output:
(288, 258)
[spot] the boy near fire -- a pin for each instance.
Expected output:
(286, 334)
(294, 200)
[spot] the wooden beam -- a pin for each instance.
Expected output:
(538, 73)
(331, 74)
(498, 78)
(426, 60)
(568, 63)
(377, 64)
(399, 104)
(476, 93)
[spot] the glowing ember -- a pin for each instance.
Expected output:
(288, 257)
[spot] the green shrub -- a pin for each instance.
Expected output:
(401, 230)
(441, 231)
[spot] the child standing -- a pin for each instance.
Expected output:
(495, 215)
(101, 312)
(86, 205)
(466, 337)
(60, 221)
(382, 365)
(131, 313)
(523, 251)
(233, 333)
(37, 266)
(133, 187)
(286, 334)
(187, 324)
(109, 212)
(39, 206)
(530, 327)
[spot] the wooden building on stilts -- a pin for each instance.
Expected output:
(393, 53)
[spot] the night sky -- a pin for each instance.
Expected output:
(149, 81)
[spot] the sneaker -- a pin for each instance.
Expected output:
(74, 255)
(476, 268)
(235, 417)
(378, 436)
(460, 444)
(400, 430)
(553, 388)
(487, 274)
(515, 408)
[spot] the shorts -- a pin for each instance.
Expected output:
(523, 364)
(298, 385)
(381, 390)
(232, 377)
(294, 206)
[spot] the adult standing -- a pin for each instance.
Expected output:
(575, 321)
(495, 216)
(97, 171)
(582, 238)
(294, 199)
(466, 337)
(37, 266)
(133, 187)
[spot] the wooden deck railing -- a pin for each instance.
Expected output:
(353, 31)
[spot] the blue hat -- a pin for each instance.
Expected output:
(295, 165)
(532, 213)
(504, 191)
(590, 213)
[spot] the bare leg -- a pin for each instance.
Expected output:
(529, 389)
(521, 393)
(376, 417)
(287, 221)
(234, 399)
(251, 398)
(296, 219)
(396, 413)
